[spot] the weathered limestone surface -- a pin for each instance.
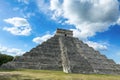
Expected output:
(72, 61)
(64, 52)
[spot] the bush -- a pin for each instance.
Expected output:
(5, 58)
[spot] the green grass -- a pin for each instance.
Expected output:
(29, 74)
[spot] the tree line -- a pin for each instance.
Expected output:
(5, 58)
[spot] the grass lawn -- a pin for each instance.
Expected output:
(29, 74)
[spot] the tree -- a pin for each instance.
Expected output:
(5, 58)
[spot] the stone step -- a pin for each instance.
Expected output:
(102, 61)
(37, 65)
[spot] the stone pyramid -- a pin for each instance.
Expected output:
(67, 53)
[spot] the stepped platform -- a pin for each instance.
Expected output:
(67, 53)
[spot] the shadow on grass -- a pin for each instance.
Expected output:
(21, 77)
(5, 70)
(17, 77)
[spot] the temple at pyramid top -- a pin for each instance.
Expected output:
(64, 32)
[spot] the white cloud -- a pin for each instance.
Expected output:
(97, 46)
(41, 39)
(24, 1)
(20, 26)
(24, 12)
(88, 16)
(15, 8)
(118, 21)
(11, 51)
(28, 15)
(43, 6)
(118, 53)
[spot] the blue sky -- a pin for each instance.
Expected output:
(26, 23)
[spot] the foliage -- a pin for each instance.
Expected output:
(5, 58)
